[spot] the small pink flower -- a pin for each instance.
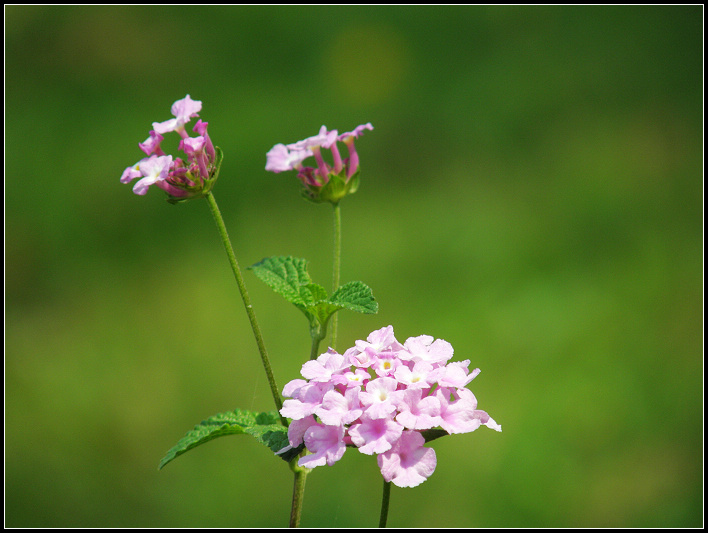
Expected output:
(308, 400)
(416, 412)
(425, 348)
(183, 110)
(421, 376)
(378, 341)
(385, 364)
(201, 129)
(296, 430)
(324, 138)
(322, 368)
(192, 144)
(357, 378)
(280, 159)
(152, 144)
(130, 173)
(291, 387)
(380, 397)
(408, 463)
(455, 374)
(338, 408)
(461, 415)
(375, 435)
(154, 169)
(326, 444)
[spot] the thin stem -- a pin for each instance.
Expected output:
(298, 493)
(384, 503)
(315, 346)
(246, 302)
(336, 264)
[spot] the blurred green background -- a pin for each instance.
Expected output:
(532, 193)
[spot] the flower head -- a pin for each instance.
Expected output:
(325, 182)
(181, 179)
(386, 398)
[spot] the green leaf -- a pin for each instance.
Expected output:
(264, 427)
(355, 296)
(288, 277)
(432, 434)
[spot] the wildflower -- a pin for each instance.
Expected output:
(153, 169)
(381, 397)
(326, 444)
(416, 412)
(280, 159)
(325, 182)
(307, 399)
(183, 110)
(408, 463)
(375, 435)
(180, 179)
(340, 409)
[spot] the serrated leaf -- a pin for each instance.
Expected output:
(265, 427)
(355, 296)
(287, 276)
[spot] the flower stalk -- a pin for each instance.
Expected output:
(336, 265)
(221, 227)
(298, 491)
(385, 498)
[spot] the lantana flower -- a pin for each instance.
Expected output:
(325, 182)
(384, 398)
(180, 179)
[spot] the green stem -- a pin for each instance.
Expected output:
(246, 302)
(298, 492)
(384, 503)
(317, 337)
(336, 264)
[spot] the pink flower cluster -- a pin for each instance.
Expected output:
(283, 157)
(178, 178)
(378, 396)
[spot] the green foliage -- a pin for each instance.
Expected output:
(288, 277)
(265, 427)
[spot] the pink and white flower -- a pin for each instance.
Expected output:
(183, 110)
(381, 397)
(408, 463)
